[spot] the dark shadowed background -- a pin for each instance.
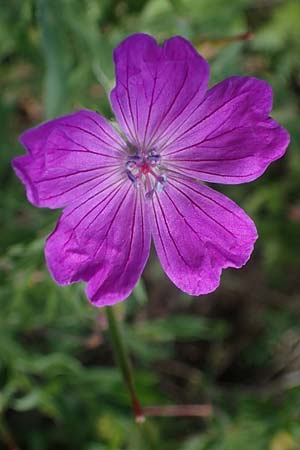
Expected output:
(238, 348)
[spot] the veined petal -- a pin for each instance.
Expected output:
(230, 137)
(198, 232)
(156, 87)
(103, 239)
(67, 156)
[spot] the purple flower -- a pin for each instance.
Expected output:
(120, 187)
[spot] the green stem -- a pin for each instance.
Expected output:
(123, 361)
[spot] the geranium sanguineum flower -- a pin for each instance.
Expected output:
(119, 187)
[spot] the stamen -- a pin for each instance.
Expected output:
(131, 177)
(144, 169)
(153, 158)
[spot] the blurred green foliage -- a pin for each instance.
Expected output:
(238, 348)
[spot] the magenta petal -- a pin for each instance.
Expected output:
(197, 232)
(230, 138)
(103, 239)
(156, 86)
(66, 157)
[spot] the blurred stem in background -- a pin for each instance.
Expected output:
(56, 58)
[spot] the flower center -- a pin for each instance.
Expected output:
(145, 169)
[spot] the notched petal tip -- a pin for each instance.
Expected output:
(179, 48)
(108, 299)
(20, 166)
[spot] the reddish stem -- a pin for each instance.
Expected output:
(179, 411)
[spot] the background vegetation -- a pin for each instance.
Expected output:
(238, 348)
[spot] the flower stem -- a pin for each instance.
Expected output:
(123, 361)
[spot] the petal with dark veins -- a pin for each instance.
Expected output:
(230, 137)
(67, 157)
(103, 240)
(198, 232)
(156, 86)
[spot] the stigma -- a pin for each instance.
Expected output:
(144, 170)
